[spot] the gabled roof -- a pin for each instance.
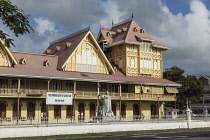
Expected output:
(65, 46)
(64, 51)
(128, 32)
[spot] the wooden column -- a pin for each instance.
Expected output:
(120, 90)
(18, 101)
(74, 99)
(97, 105)
(47, 106)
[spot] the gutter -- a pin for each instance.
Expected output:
(89, 80)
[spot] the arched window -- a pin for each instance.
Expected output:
(14, 110)
(2, 110)
(81, 112)
(114, 109)
(86, 62)
(31, 110)
(92, 110)
(57, 111)
(123, 111)
(69, 111)
(136, 114)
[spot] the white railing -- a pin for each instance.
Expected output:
(7, 121)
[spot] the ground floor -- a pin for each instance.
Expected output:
(81, 108)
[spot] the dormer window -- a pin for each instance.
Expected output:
(68, 44)
(58, 48)
(124, 29)
(119, 31)
(23, 61)
(48, 51)
(46, 63)
(142, 30)
(135, 29)
(108, 34)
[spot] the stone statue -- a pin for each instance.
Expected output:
(106, 105)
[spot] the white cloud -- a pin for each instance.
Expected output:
(44, 25)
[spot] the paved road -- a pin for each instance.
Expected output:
(201, 135)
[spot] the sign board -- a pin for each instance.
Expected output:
(54, 98)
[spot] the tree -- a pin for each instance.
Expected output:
(191, 88)
(174, 74)
(15, 19)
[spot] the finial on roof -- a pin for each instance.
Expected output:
(112, 22)
(89, 26)
(132, 16)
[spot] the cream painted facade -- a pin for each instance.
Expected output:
(78, 60)
(128, 57)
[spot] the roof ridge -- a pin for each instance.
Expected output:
(122, 22)
(70, 35)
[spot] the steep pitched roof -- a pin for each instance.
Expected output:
(60, 47)
(128, 32)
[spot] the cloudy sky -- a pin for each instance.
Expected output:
(182, 25)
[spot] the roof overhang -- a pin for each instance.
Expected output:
(89, 80)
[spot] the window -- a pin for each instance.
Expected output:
(78, 58)
(146, 47)
(120, 48)
(31, 110)
(155, 64)
(146, 62)
(89, 57)
(69, 111)
(55, 85)
(155, 51)
(132, 47)
(3, 83)
(69, 86)
(57, 111)
(132, 62)
(14, 83)
(120, 62)
(86, 62)
(84, 58)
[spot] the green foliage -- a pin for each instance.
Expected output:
(191, 88)
(15, 19)
(174, 74)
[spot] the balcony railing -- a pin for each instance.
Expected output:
(89, 94)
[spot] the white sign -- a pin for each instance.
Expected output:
(53, 98)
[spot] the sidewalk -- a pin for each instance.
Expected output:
(28, 131)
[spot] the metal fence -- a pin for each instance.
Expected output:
(8, 121)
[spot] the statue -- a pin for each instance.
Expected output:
(106, 109)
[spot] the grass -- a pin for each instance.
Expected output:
(107, 134)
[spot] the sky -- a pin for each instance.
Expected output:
(181, 25)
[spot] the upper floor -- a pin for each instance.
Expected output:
(131, 49)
